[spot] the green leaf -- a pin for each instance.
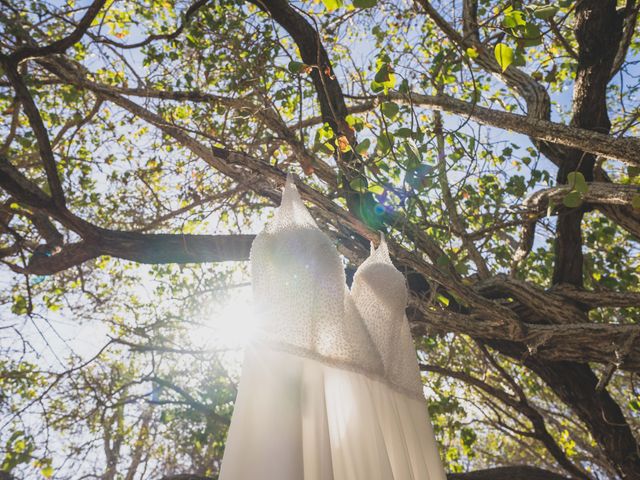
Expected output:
(365, 3)
(443, 260)
(363, 146)
(376, 87)
(332, 5)
(326, 147)
(359, 184)
(376, 189)
(383, 74)
(513, 18)
(468, 437)
(296, 67)
(384, 78)
(544, 12)
(635, 201)
(504, 55)
(385, 142)
(403, 132)
(572, 199)
(472, 52)
(577, 182)
(532, 37)
(418, 176)
(355, 122)
(413, 154)
(389, 109)
(20, 305)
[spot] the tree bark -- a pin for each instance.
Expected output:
(519, 472)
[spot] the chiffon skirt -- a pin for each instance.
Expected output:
(297, 418)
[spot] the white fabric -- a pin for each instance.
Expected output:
(330, 388)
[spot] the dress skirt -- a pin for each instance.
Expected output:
(300, 418)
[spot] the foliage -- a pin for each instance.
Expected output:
(170, 119)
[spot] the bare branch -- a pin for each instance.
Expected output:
(452, 209)
(189, 14)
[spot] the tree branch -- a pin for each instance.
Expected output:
(576, 342)
(207, 410)
(39, 130)
(313, 53)
(518, 472)
(623, 149)
(630, 13)
(575, 384)
(522, 406)
(146, 248)
(59, 46)
(191, 11)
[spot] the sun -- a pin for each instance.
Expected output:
(235, 321)
(227, 324)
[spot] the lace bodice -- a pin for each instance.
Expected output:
(306, 307)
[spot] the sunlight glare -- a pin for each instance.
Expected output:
(228, 324)
(234, 323)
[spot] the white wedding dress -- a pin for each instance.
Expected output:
(330, 387)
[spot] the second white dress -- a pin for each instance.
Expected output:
(330, 387)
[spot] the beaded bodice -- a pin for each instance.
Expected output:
(305, 306)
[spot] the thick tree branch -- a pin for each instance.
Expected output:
(578, 342)
(598, 30)
(470, 28)
(598, 193)
(551, 308)
(518, 472)
(146, 248)
(624, 149)
(599, 298)
(135, 246)
(613, 200)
